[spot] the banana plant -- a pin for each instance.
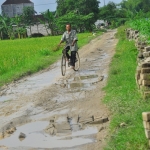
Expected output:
(50, 20)
(6, 25)
(17, 21)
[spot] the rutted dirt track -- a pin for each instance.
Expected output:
(47, 111)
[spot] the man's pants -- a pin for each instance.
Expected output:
(72, 57)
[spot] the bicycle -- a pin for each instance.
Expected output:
(64, 64)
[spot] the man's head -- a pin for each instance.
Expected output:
(68, 27)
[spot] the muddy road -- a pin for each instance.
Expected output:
(47, 111)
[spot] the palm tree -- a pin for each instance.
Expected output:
(28, 14)
(44, 23)
(49, 19)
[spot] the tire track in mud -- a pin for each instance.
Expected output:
(60, 112)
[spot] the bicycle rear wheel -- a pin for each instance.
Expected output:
(77, 63)
(63, 65)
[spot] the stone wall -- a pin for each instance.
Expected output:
(38, 29)
(143, 62)
(146, 123)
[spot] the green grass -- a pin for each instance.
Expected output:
(26, 56)
(124, 99)
(142, 25)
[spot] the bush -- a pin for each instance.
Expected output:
(37, 35)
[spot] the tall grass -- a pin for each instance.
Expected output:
(143, 25)
(21, 57)
(124, 99)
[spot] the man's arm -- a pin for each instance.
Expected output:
(75, 38)
(60, 43)
(62, 39)
(74, 42)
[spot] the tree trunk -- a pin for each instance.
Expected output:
(37, 27)
(18, 35)
(1, 35)
(30, 31)
(52, 31)
(46, 29)
(51, 28)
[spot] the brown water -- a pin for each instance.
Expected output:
(37, 138)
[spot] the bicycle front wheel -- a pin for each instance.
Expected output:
(77, 63)
(63, 65)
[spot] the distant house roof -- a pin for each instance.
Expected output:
(7, 2)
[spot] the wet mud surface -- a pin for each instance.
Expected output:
(47, 111)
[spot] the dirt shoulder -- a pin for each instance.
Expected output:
(60, 112)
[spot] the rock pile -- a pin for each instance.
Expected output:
(146, 123)
(142, 72)
(143, 60)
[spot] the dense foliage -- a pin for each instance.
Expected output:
(79, 12)
(118, 14)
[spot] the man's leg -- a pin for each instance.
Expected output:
(67, 50)
(73, 58)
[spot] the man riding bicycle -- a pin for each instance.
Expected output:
(70, 37)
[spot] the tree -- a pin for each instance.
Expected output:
(17, 21)
(113, 13)
(136, 6)
(50, 20)
(6, 27)
(81, 7)
(78, 21)
(28, 14)
(2, 28)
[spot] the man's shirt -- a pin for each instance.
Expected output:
(69, 38)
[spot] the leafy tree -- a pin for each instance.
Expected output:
(136, 6)
(28, 14)
(6, 27)
(113, 13)
(81, 7)
(78, 21)
(50, 20)
(17, 20)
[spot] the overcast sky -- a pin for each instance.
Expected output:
(42, 5)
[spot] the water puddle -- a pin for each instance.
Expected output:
(37, 138)
(32, 84)
(79, 85)
(47, 114)
(85, 77)
(82, 81)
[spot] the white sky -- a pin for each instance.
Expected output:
(42, 5)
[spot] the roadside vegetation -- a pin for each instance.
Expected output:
(122, 95)
(141, 24)
(124, 99)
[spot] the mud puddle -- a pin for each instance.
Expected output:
(75, 87)
(31, 84)
(39, 81)
(37, 138)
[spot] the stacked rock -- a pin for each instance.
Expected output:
(143, 60)
(143, 70)
(132, 34)
(146, 123)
